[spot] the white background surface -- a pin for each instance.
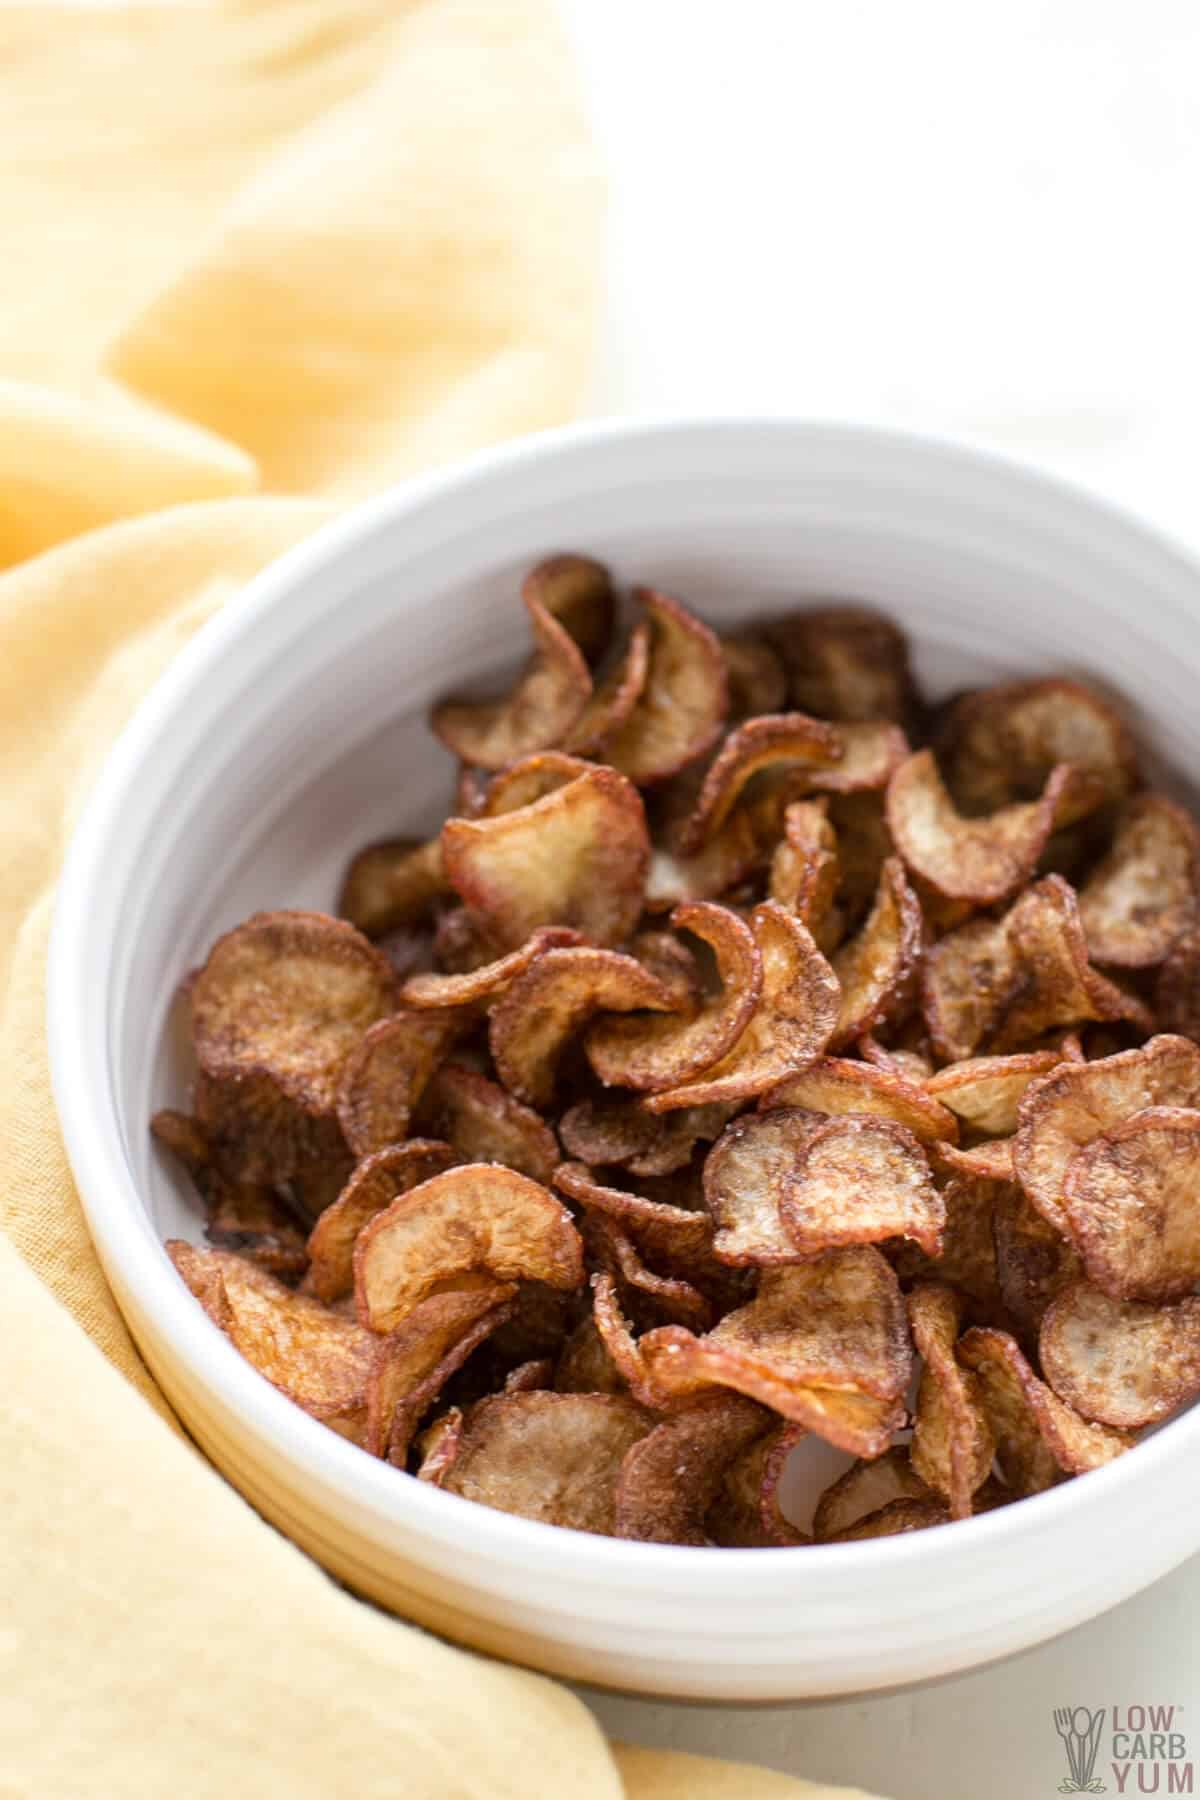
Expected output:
(973, 218)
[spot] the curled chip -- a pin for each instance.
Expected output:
(980, 860)
(621, 1347)
(652, 1222)
(391, 885)
(835, 1085)
(386, 1074)
(744, 1176)
(1130, 1205)
(746, 1514)
(614, 697)
(682, 707)
(546, 1007)
(375, 1183)
(845, 662)
(824, 1344)
(757, 678)
(872, 751)
(538, 712)
(861, 1181)
(991, 1160)
(256, 1135)
(804, 872)
(530, 779)
(1037, 1434)
(791, 741)
(998, 745)
(656, 1053)
(576, 857)
(485, 1124)
(472, 1219)
(318, 1358)
(578, 592)
(1079, 1101)
(985, 1091)
(412, 1365)
(622, 1134)
(1120, 1362)
(528, 1377)
(911, 1056)
(893, 1520)
(952, 1445)
(663, 1299)
(789, 1027)
(878, 969)
(553, 1457)
(965, 979)
(428, 992)
(671, 1477)
(1033, 1262)
(1143, 894)
(864, 1490)
(288, 994)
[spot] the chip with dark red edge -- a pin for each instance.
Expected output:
(861, 1181)
(999, 744)
(866, 1487)
(671, 1477)
(1034, 1262)
(804, 874)
(578, 592)
(746, 1513)
(1038, 1436)
(1129, 1200)
(614, 696)
(683, 705)
(488, 982)
(1142, 895)
(1121, 1362)
(845, 662)
(484, 1123)
(952, 1443)
(536, 713)
(835, 1085)
(878, 968)
(894, 1520)
(790, 741)
(744, 1176)
(375, 1183)
(412, 1364)
(756, 676)
(387, 1072)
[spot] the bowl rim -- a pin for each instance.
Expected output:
(108, 1192)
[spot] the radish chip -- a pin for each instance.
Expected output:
(861, 1181)
(1121, 1362)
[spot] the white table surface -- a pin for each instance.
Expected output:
(977, 219)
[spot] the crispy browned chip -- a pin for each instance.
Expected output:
(584, 1365)
(998, 745)
(746, 1514)
(952, 1445)
(1036, 1433)
(473, 1219)
(1120, 1362)
(991, 1160)
(824, 1344)
(530, 779)
(791, 741)
(845, 662)
(894, 1520)
(965, 979)
(986, 859)
(652, 1298)
(387, 1072)
(393, 884)
(288, 994)
(578, 592)
(553, 1457)
(985, 1091)
(486, 1124)
(835, 1085)
(654, 1053)
(614, 698)
(429, 991)
(861, 1181)
(621, 1347)
(865, 1489)
(318, 1358)
(535, 714)
(872, 751)
(1143, 894)
(374, 1184)
(412, 1365)
(1177, 987)
(788, 1029)
(757, 678)
(438, 1446)
(622, 1134)
(248, 1217)
(804, 871)
(1130, 1205)
(546, 1007)
(257, 1135)
(1034, 1263)
(672, 1476)
(681, 709)
(744, 1174)
(878, 968)
(968, 1259)
(1078, 1101)
(576, 857)
(652, 1222)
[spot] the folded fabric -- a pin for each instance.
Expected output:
(264, 255)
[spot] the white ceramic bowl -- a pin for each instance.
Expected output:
(292, 731)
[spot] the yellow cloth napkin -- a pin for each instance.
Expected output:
(261, 256)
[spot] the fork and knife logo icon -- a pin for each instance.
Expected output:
(1080, 1731)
